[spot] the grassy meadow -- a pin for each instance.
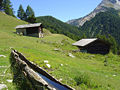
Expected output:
(84, 71)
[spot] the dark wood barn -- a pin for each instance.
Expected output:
(29, 29)
(94, 46)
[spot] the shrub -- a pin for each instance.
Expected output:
(84, 80)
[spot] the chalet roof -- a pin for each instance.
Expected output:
(84, 42)
(28, 25)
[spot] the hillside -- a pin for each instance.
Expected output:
(84, 71)
(7, 24)
(104, 23)
(102, 7)
(57, 26)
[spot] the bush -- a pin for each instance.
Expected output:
(84, 80)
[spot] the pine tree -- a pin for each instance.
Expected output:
(21, 13)
(29, 11)
(30, 15)
(7, 7)
(1, 4)
(31, 19)
(113, 43)
(83, 36)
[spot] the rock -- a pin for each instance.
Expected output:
(56, 49)
(3, 66)
(60, 79)
(2, 56)
(2, 86)
(48, 65)
(10, 81)
(61, 64)
(70, 54)
(2, 75)
(114, 75)
(46, 61)
(102, 7)
(54, 89)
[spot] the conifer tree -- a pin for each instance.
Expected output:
(83, 36)
(30, 15)
(31, 19)
(113, 43)
(1, 4)
(21, 13)
(29, 11)
(7, 7)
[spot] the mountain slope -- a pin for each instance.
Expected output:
(104, 23)
(102, 7)
(57, 26)
(43, 47)
(7, 24)
(83, 72)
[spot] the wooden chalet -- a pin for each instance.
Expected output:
(94, 46)
(29, 29)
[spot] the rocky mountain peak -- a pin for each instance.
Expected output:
(100, 8)
(113, 1)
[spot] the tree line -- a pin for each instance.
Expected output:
(6, 6)
(28, 15)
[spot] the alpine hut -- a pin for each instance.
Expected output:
(94, 46)
(30, 29)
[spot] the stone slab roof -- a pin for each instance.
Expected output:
(84, 42)
(28, 25)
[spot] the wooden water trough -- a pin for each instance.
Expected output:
(39, 79)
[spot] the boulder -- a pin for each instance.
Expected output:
(2, 56)
(46, 61)
(2, 86)
(70, 54)
(48, 65)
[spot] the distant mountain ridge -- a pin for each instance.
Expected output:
(104, 23)
(57, 26)
(102, 7)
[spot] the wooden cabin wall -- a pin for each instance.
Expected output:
(23, 31)
(98, 47)
(32, 30)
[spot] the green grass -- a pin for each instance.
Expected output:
(85, 71)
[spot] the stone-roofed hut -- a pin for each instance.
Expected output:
(30, 29)
(94, 46)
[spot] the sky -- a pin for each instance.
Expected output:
(63, 10)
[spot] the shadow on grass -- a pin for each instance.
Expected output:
(19, 78)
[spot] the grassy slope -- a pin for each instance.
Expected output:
(85, 71)
(7, 24)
